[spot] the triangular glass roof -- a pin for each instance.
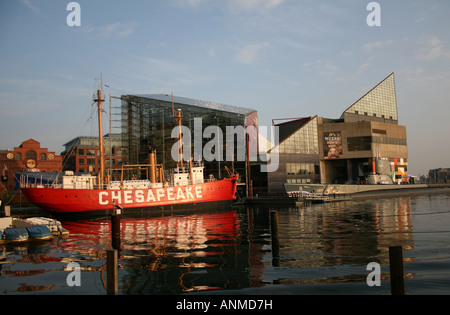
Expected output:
(379, 102)
(199, 103)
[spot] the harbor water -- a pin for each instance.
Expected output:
(323, 249)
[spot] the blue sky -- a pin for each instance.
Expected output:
(284, 58)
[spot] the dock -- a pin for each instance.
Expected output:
(273, 200)
(323, 198)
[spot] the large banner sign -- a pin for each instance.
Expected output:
(332, 145)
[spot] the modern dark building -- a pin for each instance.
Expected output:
(439, 176)
(148, 124)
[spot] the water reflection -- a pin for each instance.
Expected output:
(222, 250)
(351, 232)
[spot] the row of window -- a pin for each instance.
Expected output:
(302, 169)
(365, 143)
(300, 181)
(91, 161)
(31, 155)
(93, 152)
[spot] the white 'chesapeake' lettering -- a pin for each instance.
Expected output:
(139, 196)
(127, 195)
(159, 194)
(152, 195)
(117, 197)
(170, 193)
(100, 198)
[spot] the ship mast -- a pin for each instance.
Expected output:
(178, 116)
(99, 98)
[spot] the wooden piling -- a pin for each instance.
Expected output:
(115, 231)
(112, 286)
(396, 270)
(275, 238)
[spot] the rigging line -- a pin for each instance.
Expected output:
(80, 132)
(81, 121)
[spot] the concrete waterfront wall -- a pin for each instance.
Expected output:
(350, 189)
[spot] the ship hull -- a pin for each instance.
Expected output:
(93, 202)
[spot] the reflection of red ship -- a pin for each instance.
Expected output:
(183, 253)
(192, 230)
(90, 195)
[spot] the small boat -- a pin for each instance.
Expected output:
(15, 234)
(53, 225)
(31, 229)
(40, 232)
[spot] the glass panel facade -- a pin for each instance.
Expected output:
(303, 141)
(364, 143)
(301, 168)
(147, 123)
(379, 102)
(359, 143)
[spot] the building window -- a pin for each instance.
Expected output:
(43, 157)
(359, 143)
(18, 156)
(80, 161)
(80, 151)
(31, 155)
(379, 131)
(301, 168)
(303, 141)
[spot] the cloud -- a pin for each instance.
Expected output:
(187, 3)
(363, 66)
(249, 53)
(110, 30)
(117, 29)
(432, 49)
(378, 44)
(237, 6)
(234, 6)
(323, 67)
(31, 6)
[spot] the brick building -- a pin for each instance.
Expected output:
(29, 156)
(82, 154)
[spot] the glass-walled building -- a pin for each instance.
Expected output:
(298, 151)
(148, 124)
(366, 139)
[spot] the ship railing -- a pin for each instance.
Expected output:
(35, 182)
(39, 185)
